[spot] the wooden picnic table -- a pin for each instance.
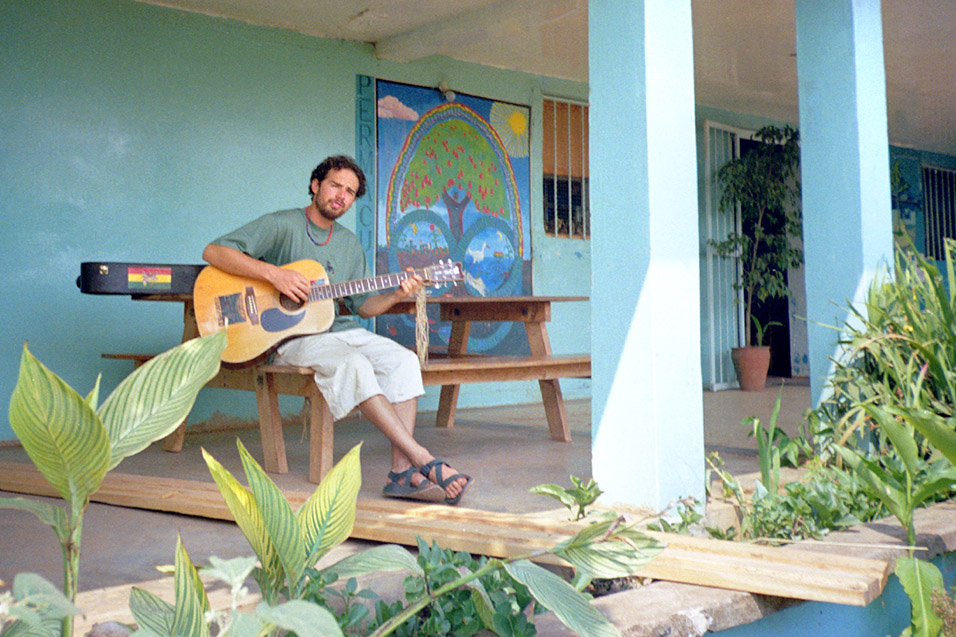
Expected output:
(449, 369)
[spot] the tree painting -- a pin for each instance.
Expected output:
(452, 178)
(436, 171)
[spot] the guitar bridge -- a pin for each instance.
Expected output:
(252, 308)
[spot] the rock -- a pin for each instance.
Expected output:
(109, 629)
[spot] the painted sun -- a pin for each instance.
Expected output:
(511, 124)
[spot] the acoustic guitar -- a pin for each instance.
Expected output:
(257, 317)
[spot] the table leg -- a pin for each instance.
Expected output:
(174, 441)
(551, 396)
(448, 400)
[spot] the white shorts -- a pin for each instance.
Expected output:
(353, 365)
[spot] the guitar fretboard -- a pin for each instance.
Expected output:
(382, 282)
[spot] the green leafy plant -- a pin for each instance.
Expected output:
(763, 186)
(191, 615)
(825, 499)
(688, 513)
(891, 409)
(493, 600)
(74, 441)
(33, 606)
(577, 499)
(288, 543)
(760, 330)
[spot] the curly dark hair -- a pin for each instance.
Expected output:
(338, 162)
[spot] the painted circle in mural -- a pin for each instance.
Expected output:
(492, 268)
(489, 258)
(420, 238)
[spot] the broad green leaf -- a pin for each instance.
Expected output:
(152, 401)
(386, 557)
(620, 555)
(554, 491)
(59, 431)
(233, 572)
(941, 435)
(151, 612)
(277, 517)
(940, 484)
(31, 624)
(93, 398)
(919, 579)
(245, 625)
(894, 499)
(33, 590)
(302, 618)
(189, 616)
(50, 514)
(327, 517)
(483, 604)
(903, 440)
(246, 513)
(568, 605)
(28, 621)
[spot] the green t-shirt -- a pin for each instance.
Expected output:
(281, 237)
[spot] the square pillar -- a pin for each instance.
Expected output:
(845, 167)
(647, 404)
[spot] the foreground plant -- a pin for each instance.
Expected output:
(33, 606)
(577, 499)
(288, 543)
(74, 441)
(892, 406)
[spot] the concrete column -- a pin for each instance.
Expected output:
(647, 415)
(847, 212)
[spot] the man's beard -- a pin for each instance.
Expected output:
(328, 212)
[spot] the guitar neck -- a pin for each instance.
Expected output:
(347, 288)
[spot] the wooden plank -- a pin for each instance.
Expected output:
(498, 368)
(800, 574)
(111, 604)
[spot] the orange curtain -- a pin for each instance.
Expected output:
(565, 139)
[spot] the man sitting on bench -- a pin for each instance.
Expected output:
(353, 366)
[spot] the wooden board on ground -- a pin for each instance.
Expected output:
(732, 565)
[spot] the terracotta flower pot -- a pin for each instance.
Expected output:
(751, 365)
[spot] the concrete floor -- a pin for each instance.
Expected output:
(507, 450)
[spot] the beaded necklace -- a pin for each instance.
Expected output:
(309, 232)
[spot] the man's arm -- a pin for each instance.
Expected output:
(378, 303)
(289, 282)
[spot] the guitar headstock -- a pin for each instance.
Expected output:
(443, 272)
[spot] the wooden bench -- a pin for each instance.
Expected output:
(270, 381)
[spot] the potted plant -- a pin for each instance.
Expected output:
(763, 187)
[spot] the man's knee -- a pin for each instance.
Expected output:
(355, 365)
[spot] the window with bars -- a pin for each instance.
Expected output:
(939, 209)
(565, 169)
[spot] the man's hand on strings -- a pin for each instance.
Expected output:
(291, 283)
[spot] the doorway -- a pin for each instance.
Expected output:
(774, 310)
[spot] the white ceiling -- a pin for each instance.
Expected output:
(744, 51)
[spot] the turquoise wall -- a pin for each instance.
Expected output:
(132, 132)
(889, 614)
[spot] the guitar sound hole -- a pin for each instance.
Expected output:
(289, 304)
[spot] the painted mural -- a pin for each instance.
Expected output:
(453, 180)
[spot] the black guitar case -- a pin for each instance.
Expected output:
(110, 277)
